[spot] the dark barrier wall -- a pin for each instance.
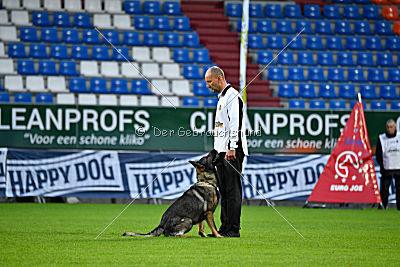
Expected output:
(181, 129)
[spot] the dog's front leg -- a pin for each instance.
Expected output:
(211, 223)
(201, 229)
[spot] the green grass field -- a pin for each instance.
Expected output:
(63, 234)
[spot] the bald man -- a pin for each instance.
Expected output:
(231, 145)
(388, 157)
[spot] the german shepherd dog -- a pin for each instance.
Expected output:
(197, 204)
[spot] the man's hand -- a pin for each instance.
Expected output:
(230, 155)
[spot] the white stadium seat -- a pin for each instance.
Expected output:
(170, 70)
(35, 84)
(52, 5)
(151, 70)
(4, 17)
(141, 53)
(108, 100)
(181, 88)
(87, 99)
(149, 101)
(102, 21)
(161, 54)
(93, 6)
(170, 101)
(65, 99)
(109, 69)
(2, 50)
(6, 66)
(73, 5)
(129, 71)
(11, 4)
(8, 33)
(14, 83)
(160, 87)
(122, 21)
(89, 68)
(20, 17)
(31, 4)
(128, 100)
(113, 6)
(56, 84)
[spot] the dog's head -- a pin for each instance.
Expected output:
(205, 168)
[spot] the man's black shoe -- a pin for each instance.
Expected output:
(212, 235)
(231, 234)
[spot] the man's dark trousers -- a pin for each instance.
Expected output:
(386, 180)
(230, 188)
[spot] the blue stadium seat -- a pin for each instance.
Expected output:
(190, 102)
(392, 43)
(68, 68)
(26, 67)
(79, 52)
(373, 43)
(78, 85)
(82, 20)
(314, 42)
(161, 23)
(395, 105)
(325, 58)
(343, 27)
(49, 35)
(191, 39)
(38, 51)
(182, 24)
(111, 36)
(286, 90)
(100, 53)
(98, 85)
(265, 57)
(383, 27)
(334, 43)
(284, 26)
(90, 37)
(70, 36)
(17, 50)
(356, 75)
(326, 90)
(316, 74)
(332, 12)
(292, 11)
(304, 25)
(378, 105)
(234, 9)
(297, 104)
(201, 56)
(306, 90)
(362, 2)
(210, 102)
(23, 98)
(385, 59)
(353, 43)
(140, 87)
(376, 75)
(191, 72)
(181, 55)
(47, 67)
(371, 12)
(368, 91)
(4, 97)
(142, 23)
(28, 34)
(44, 98)
(171, 39)
(131, 38)
(336, 75)
(353, 103)
(61, 20)
(305, 58)
(256, 11)
(286, 58)
(387, 91)
(133, 7)
(365, 59)
(250, 28)
(337, 104)
(152, 7)
(296, 74)
(351, 12)
(172, 8)
(121, 53)
(41, 19)
(200, 88)
(317, 104)
(394, 75)
(323, 27)
(151, 38)
(119, 86)
(264, 26)
(345, 59)
(362, 27)
(255, 41)
(276, 74)
(275, 41)
(205, 68)
(273, 11)
(295, 42)
(59, 51)
(312, 11)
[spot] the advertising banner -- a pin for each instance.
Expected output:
(3, 158)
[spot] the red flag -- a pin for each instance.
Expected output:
(349, 175)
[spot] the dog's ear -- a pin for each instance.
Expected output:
(213, 154)
(197, 165)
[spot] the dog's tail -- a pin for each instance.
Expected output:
(156, 232)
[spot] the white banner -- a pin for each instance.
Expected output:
(243, 48)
